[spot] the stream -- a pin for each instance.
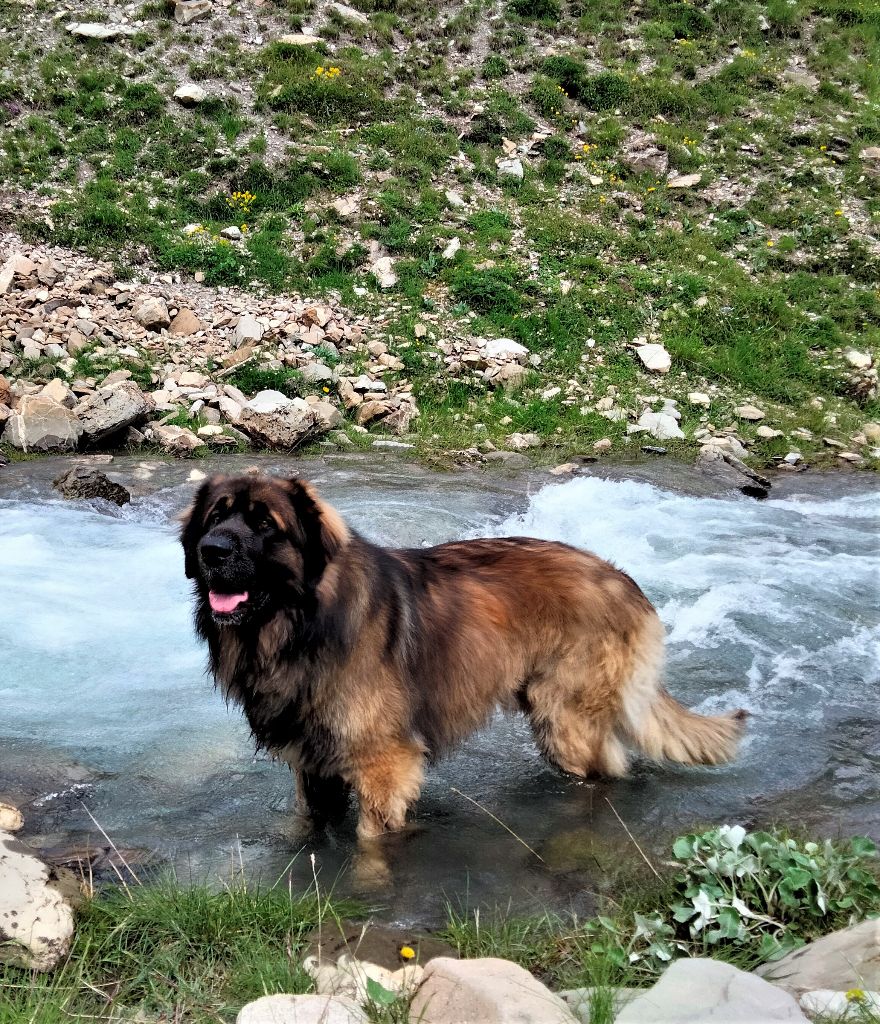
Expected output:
(106, 714)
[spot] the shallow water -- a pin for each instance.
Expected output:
(769, 606)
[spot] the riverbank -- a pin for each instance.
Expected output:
(152, 949)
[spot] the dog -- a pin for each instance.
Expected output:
(358, 664)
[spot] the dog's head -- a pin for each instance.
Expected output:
(252, 543)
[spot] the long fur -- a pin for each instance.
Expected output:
(360, 663)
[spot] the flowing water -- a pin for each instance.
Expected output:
(771, 606)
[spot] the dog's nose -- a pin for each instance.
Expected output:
(216, 549)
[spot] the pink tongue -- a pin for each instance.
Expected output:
(225, 603)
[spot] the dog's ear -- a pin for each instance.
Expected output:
(192, 525)
(322, 525)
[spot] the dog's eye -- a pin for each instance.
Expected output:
(266, 524)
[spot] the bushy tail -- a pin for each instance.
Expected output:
(666, 730)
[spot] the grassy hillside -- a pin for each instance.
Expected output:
(385, 137)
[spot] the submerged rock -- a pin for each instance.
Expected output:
(86, 482)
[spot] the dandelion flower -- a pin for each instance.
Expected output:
(407, 952)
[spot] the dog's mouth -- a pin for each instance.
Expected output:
(226, 604)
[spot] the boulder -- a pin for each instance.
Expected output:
(268, 401)
(310, 1009)
(700, 990)
(485, 991)
(511, 168)
(384, 273)
(59, 392)
(112, 409)
(846, 959)
(36, 919)
(505, 349)
(369, 411)
(349, 976)
(98, 30)
(316, 373)
(88, 482)
(642, 155)
(285, 427)
(329, 417)
(175, 440)
(349, 13)
(42, 425)
(684, 181)
(151, 312)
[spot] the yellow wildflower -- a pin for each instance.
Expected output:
(407, 952)
(855, 995)
(838, 213)
(770, 243)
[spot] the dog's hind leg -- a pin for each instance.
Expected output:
(574, 721)
(387, 779)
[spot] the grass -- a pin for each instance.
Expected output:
(173, 952)
(758, 281)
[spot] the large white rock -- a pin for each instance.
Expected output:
(311, 1009)
(188, 11)
(40, 424)
(112, 409)
(700, 991)
(383, 271)
(684, 181)
(843, 960)
(190, 95)
(654, 357)
(749, 412)
(151, 312)
(284, 428)
(36, 921)
(98, 30)
(247, 329)
(299, 39)
(485, 991)
(268, 401)
(505, 348)
(661, 425)
(511, 168)
(349, 13)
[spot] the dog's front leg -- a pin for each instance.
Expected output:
(387, 779)
(320, 800)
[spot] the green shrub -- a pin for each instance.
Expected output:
(536, 10)
(251, 379)
(495, 66)
(494, 290)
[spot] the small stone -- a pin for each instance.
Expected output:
(190, 95)
(248, 329)
(185, 323)
(519, 442)
(451, 249)
(299, 39)
(455, 200)
(684, 181)
(767, 433)
(858, 360)
(349, 13)
(699, 398)
(749, 412)
(564, 469)
(661, 425)
(603, 444)
(11, 818)
(98, 30)
(654, 358)
(793, 458)
(188, 11)
(316, 373)
(232, 233)
(505, 348)
(345, 207)
(511, 168)
(384, 273)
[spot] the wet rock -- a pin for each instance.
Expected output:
(488, 991)
(699, 990)
(845, 959)
(151, 312)
(190, 95)
(188, 11)
(36, 921)
(112, 409)
(284, 427)
(309, 1009)
(87, 482)
(40, 424)
(177, 441)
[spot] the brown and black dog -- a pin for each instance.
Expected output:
(356, 663)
